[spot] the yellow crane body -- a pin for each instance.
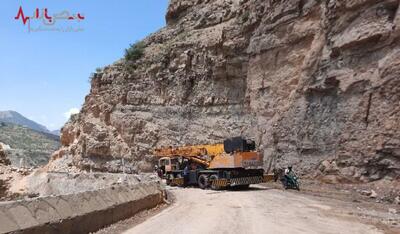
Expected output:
(213, 156)
(216, 166)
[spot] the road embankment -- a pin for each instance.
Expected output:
(78, 213)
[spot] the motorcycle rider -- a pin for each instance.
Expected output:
(288, 175)
(289, 171)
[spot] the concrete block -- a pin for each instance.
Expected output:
(92, 201)
(101, 204)
(77, 213)
(62, 207)
(23, 216)
(42, 211)
(78, 204)
(6, 223)
(107, 198)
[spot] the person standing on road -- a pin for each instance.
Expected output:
(186, 174)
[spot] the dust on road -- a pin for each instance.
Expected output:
(258, 210)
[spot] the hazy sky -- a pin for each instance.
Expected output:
(44, 75)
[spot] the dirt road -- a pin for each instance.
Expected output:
(258, 210)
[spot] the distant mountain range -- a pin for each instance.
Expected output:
(18, 119)
(26, 145)
(56, 132)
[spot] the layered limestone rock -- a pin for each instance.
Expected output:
(309, 80)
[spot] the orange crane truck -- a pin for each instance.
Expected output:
(235, 163)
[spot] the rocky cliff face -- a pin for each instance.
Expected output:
(310, 81)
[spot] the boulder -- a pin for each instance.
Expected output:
(3, 156)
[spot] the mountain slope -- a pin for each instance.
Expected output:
(56, 132)
(34, 147)
(17, 118)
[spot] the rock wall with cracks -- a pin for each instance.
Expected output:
(309, 80)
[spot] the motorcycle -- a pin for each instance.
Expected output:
(291, 182)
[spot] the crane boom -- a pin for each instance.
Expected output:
(190, 151)
(199, 153)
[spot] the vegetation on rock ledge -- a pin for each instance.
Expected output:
(135, 51)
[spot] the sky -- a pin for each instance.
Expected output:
(44, 75)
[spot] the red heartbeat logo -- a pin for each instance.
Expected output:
(45, 16)
(21, 14)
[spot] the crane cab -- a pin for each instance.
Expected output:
(168, 164)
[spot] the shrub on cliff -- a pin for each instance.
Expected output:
(135, 51)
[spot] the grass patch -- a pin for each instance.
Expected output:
(135, 51)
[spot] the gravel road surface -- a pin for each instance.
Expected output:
(257, 210)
